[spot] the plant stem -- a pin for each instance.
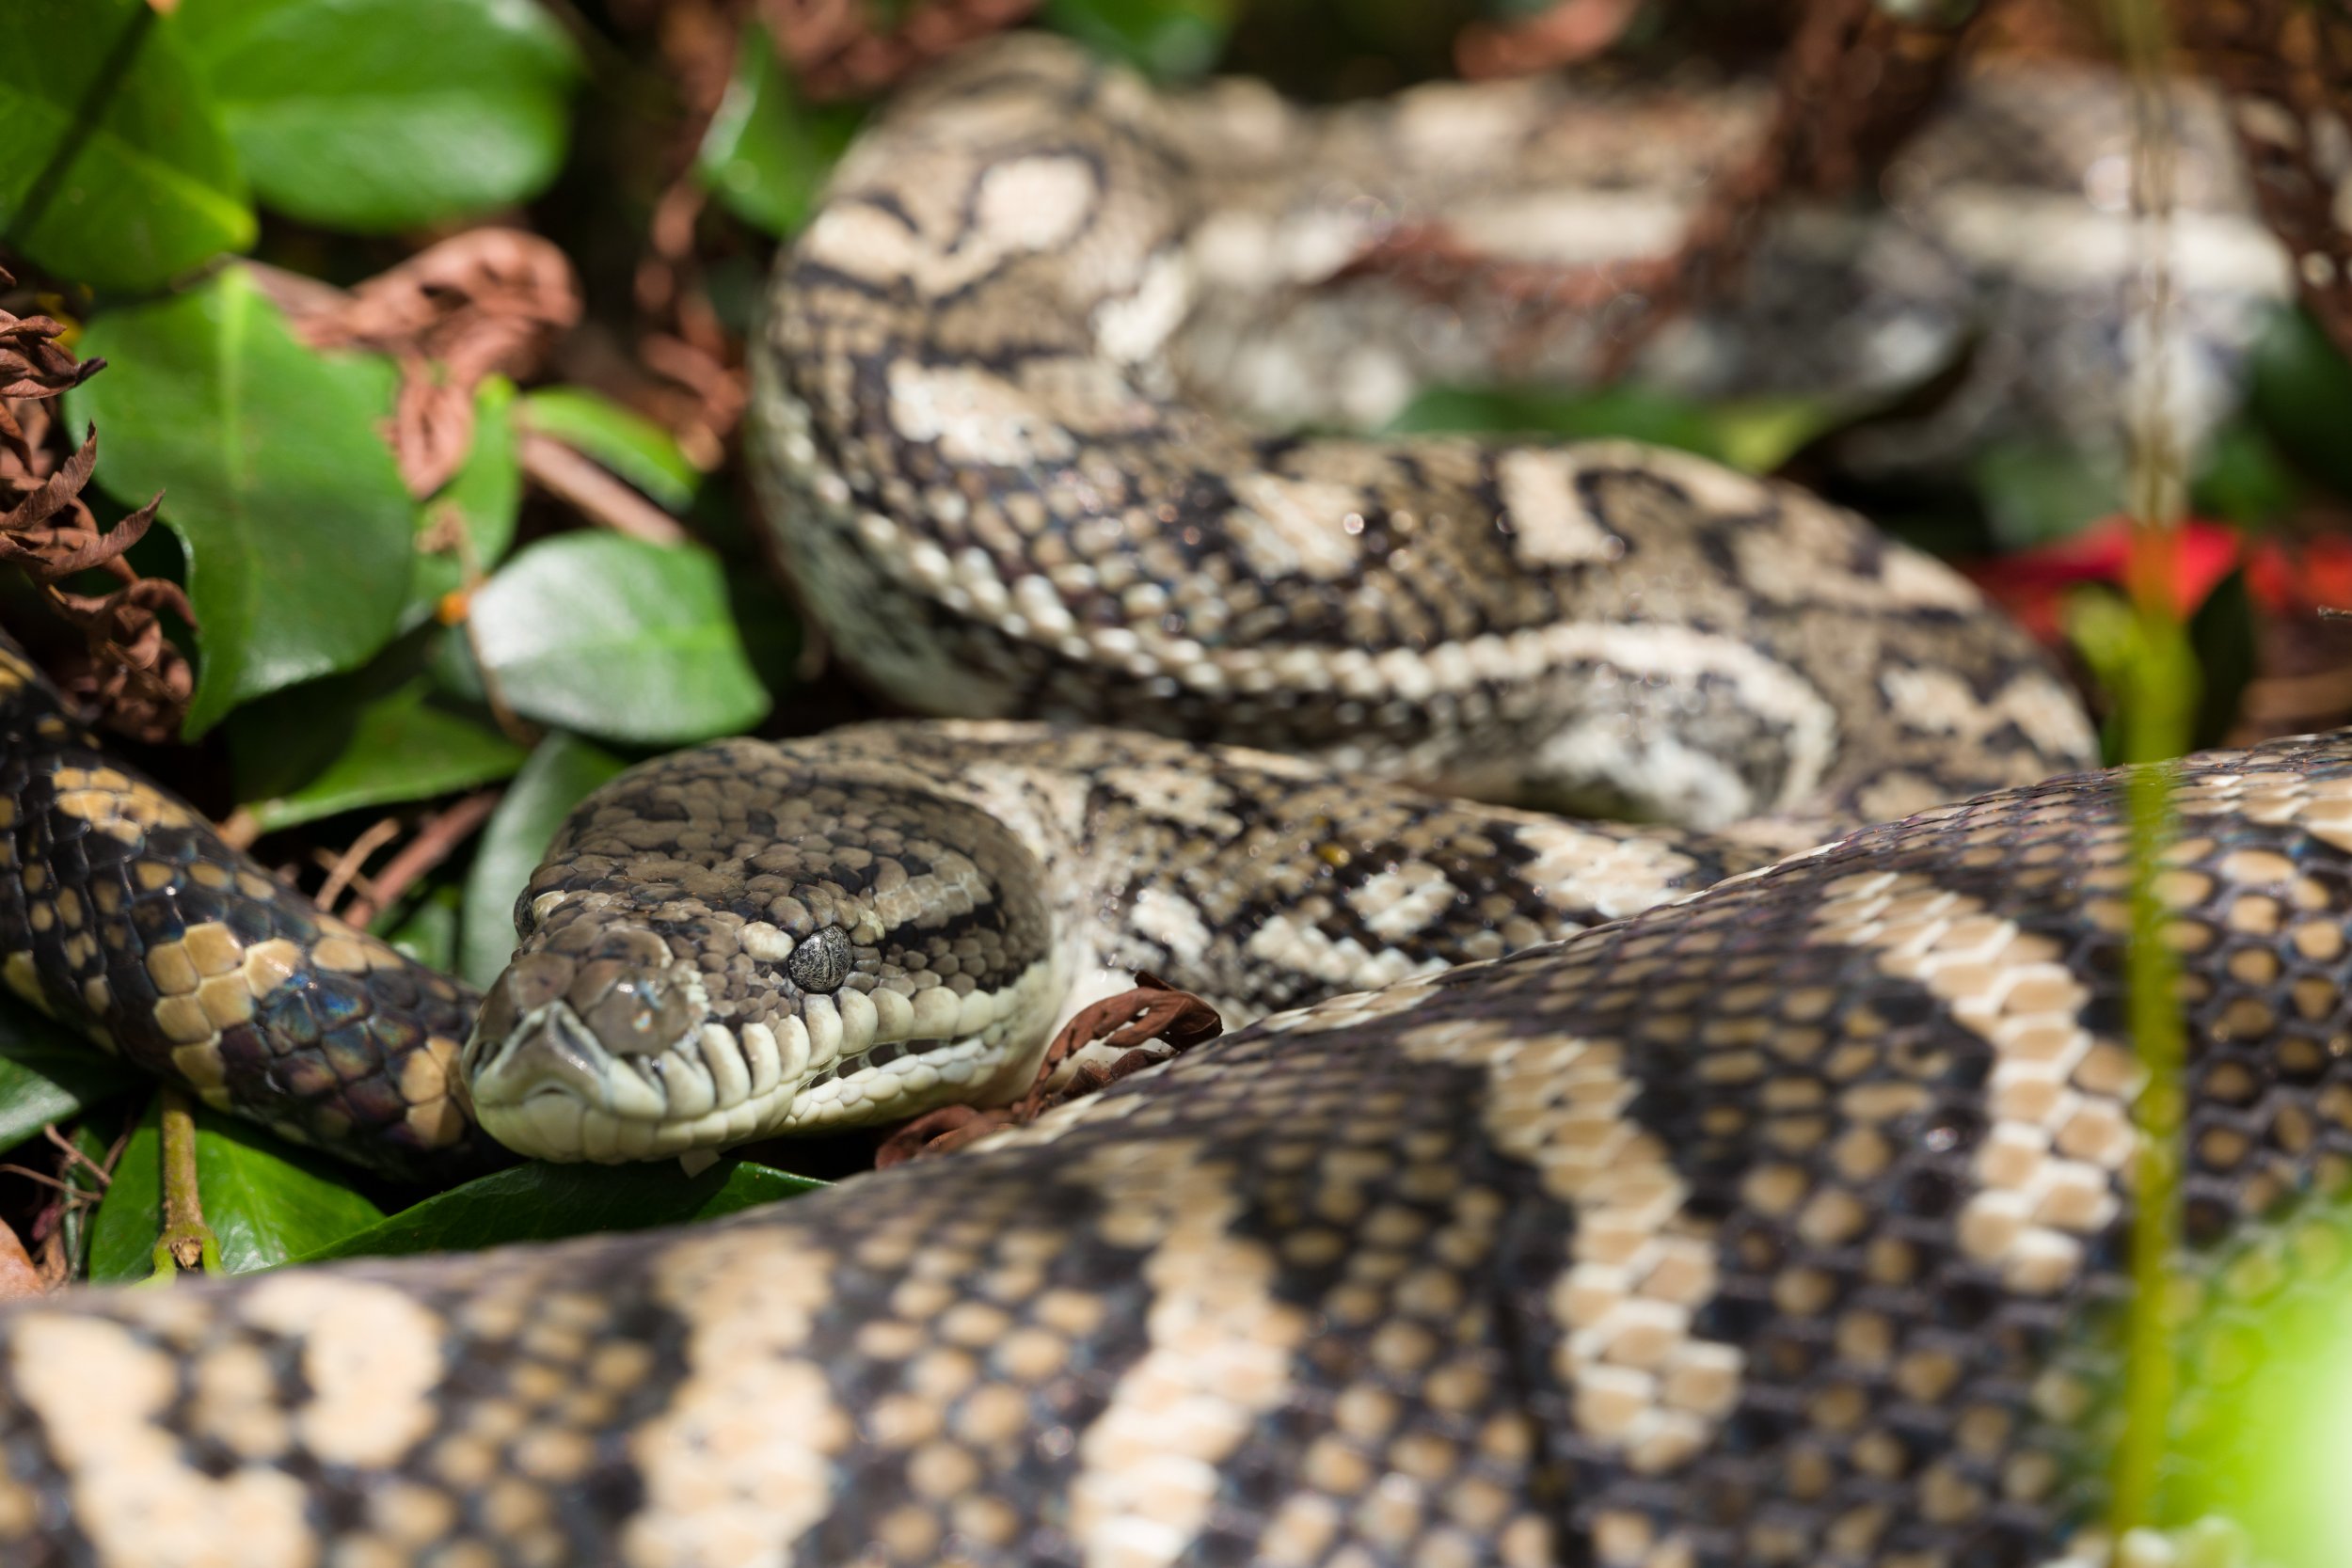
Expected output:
(2158, 697)
(187, 1243)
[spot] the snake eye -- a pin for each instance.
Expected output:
(822, 961)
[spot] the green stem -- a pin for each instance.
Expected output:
(2158, 694)
(2154, 1015)
(187, 1244)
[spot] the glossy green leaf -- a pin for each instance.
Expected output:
(1167, 38)
(540, 1202)
(265, 1200)
(633, 447)
(376, 115)
(471, 520)
(766, 155)
(401, 747)
(49, 1073)
(617, 639)
(300, 537)
(558, 776)
(116, 172)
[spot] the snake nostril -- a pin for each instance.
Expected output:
(631, 1010)
(593, 981)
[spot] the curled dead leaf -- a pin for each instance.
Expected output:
(483, 302)
(126, 668)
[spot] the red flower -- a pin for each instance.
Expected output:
(2033, 585)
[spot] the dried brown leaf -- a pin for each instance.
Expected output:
(33, 363)
(1563, 33)
(18, 1277)
(487, 301)
(836, 48)
(126, 668)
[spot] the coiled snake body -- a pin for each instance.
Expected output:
(1764, 1224)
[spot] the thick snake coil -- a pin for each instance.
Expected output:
(1774, 1223)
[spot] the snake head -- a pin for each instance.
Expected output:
(740, 940)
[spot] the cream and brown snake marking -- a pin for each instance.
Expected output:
(1773, 1216)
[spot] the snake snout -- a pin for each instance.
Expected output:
(575, 1051)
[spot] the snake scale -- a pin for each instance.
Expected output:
(1660, 1195)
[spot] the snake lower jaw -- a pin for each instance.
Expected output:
(551, 1090)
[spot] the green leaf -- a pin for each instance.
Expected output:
(2037, 492)
(2258, 1419)
(2298, 387)
(299, 534)
(471, 517)
(428, 934)
(2245, 479)
(117, 173)
(766, 155)
(1758, 434)
(401, 747)
(1167, 38)
(49, 1073)
(1630, 412)
(265, 1200)
(2221, 635)
(539, 1203)
(378, 114)
(558, 777)
(75, 1222)
(635, 447)
(617, 638)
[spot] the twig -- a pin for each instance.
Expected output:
(346, 867)
(1137, 1029)
(76, 1157)
(442, 833)
(239, 828)
(78, 1194)
(602, 498)
(486, 300)
(1852, 85)
(62, 1222)
(187, 1244)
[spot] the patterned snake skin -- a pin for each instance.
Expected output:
(1775, 1223)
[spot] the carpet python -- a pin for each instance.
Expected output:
(1659, 1195)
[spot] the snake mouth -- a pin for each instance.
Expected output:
(549, 1087)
